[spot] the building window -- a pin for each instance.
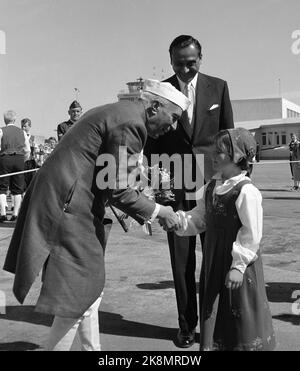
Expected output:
(292, 113)
(264, 138)
(270, 138)
(283, 137)
(277, 138)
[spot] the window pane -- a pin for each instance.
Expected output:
(270, 138)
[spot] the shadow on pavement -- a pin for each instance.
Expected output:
(274, 190)
(110, 323)
(26, 313)
(115, 324)
(291, 318)
(162, 285)
(18, 346)
(280, 198)
(283, 292)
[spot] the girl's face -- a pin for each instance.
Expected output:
(223, 164)
(220, 160)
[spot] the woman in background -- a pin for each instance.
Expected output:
(295, 156)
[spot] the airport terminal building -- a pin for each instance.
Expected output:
(271, 120)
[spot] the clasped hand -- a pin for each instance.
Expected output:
(168, 219)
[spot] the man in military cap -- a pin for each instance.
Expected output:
(74, 112)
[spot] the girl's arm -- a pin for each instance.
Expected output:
(193, 222)
(249, 208)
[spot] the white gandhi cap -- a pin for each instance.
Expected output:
(167, 91)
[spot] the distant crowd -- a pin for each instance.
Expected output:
(19, 152)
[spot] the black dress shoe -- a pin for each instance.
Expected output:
(185, 339)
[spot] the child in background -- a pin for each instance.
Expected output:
(234, 310)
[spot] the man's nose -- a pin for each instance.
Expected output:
(185, 69)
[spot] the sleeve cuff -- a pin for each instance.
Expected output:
(155, 213)
(241, 257)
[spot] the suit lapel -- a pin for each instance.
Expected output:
(203, 93)
(184, 120)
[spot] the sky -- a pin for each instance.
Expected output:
(97, 46)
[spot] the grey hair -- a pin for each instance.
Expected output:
(9, 116)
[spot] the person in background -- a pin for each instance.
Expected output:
(26, 126)
(74, 112)
(257, 156)
(52, 143)
(49, 146)
(295, 156)
(209, 112)
(13, 153)
(293, 138)
(30, 162)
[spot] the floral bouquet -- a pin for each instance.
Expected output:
(159, 191)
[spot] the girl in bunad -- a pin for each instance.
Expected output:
(234, 310)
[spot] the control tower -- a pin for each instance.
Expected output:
(134, 90)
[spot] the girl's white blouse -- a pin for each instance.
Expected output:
(249, 209)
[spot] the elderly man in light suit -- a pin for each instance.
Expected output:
(61, 224)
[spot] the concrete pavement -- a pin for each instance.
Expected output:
(138, 311)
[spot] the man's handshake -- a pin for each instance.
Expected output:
(168, 219)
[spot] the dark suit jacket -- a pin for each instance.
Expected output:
(207, 123)
(61, 217)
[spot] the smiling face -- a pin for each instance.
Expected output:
(52, 143)
(186, 62)
(75, 113)
(162, 118)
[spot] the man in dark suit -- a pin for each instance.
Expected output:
(74, 112)
(209, 112)
(61, 224)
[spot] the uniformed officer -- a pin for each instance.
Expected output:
(74, 112)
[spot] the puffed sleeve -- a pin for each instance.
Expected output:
(193, 221)
(246, 245)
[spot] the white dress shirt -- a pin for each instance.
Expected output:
(189, 90)
(249, 209)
